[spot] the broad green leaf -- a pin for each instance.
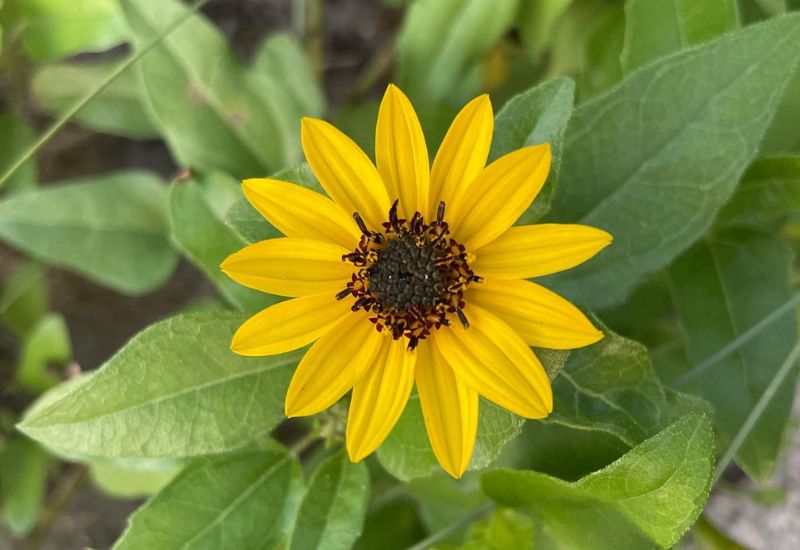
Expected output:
(782, 136)
(655, 28)
(536, 20)
(443, 501)
(24, 298)
(332, 513)
(47, 343)
(647, 498)
(116, 110)
(603, 48)
(220, 503)
(707, 537)
(391, 525)
(179, 380)
(210, 115)
(407, 454)
(112, 229)
(15, 137)
(654, 159)
(252, 226)
(23, 474)
(768, 193)
(54, 29)
(197, 208)
(133, 478)
(720, 288)
(539, 115)
(503, 530)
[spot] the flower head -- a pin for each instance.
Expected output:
(413, 274)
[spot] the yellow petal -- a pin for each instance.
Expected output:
(300, 212)
(379, 398)
(450, 410)
(333, 365)
(345, 172)
(542, 317)
(289, 325)
(492, 358)
(463, 152)
(290, 267)
(535, 250)
(498, 196)
(401, 153)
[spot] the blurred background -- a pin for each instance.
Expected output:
(329, 58)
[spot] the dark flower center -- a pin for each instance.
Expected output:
(412, 276)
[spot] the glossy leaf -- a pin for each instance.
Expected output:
(539, 115)
(655, 176)
(224, 503)
(647, 498)
(112, 229)
(654, 29)
(179, 380)
(23, 474)
(721, 288)
(116, 110)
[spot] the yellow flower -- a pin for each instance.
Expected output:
(410, 273)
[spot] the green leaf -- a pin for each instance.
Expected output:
(210, 115)
(782, 136)
(175, 390)
(133, 478)
(23, 473)
(707, 537)
(654, 176)
(720, 288)
(197, 207)
(116, 110)
(768, 193)
(603, 48)
(332, 513)
(647, 498)
(407, 454)
(53, 29)
(536, 21)
(503, 530)
(47, 343)
(656, 29)
(15, 137)
(391, 525)
(443, 501)
(252, 226)
(221, 503)
(539, 115)
(112, 229)
(24, 298)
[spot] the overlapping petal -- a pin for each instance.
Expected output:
(536, 250)
(345, 171)
(290, 267)
(333, 365)
(401, 154)
(289, 325)
(450, 410)
(379, 398)
(495, 361)
(463, 152)
(496, 198)
(300, 212)
(541, 317)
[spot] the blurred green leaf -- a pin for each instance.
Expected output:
(133, 478)
(722, 287)
(112, 229)
(332, 513)
(768, 193)
(23, 474)
(15, 137)
(24, 298)
(539, 115)
(647, 498)
(47, 343)
(443, 501)
(391, 525)
(54, 29)
(117, 110)
(536, 21)
(197, 207)
(180, 381)
(654, 159)
(503, 530)
(210, 116)
(782, 136)
(655, 29)
(603, 48)
(708, 537)
(227, 502)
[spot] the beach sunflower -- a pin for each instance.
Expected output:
(410, 274)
